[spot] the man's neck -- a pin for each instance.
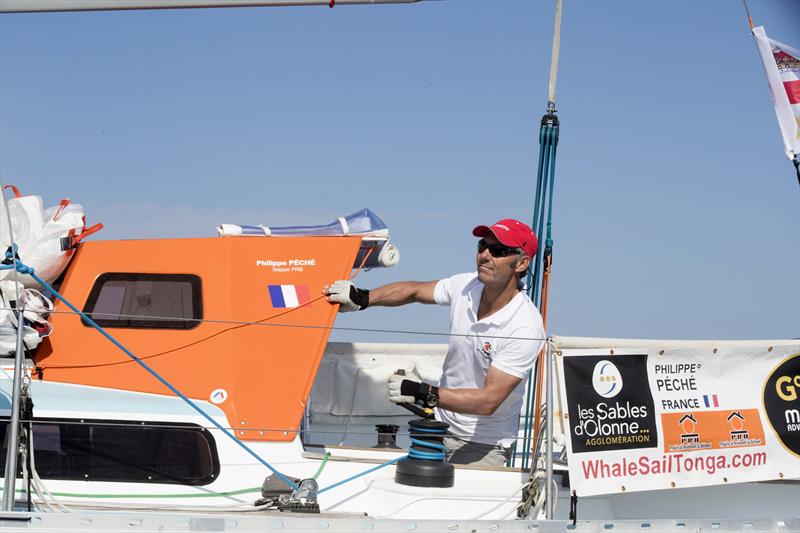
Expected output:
(495, 298)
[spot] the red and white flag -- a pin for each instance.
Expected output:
(782, 65)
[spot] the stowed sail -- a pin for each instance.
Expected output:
(45, 240)
(375, 249)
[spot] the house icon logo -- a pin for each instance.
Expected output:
(688, 424)
(738, 432)
(606, 379)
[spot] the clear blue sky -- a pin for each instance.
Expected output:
(677, 214)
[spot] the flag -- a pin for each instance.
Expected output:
(782, 65)
(710, 400)
(288, 295)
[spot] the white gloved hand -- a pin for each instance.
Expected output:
(396, 382)
(347, 295)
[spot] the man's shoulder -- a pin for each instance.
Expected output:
(454, 288)
(462, 282)
(527, 318)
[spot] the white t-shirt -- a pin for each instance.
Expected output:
(504, 340)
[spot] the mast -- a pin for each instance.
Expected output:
(539, 278)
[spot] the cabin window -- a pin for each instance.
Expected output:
(159, 301)
(122, 451)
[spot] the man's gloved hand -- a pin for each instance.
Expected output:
(410, 389)
(347, 295)
(396, 384)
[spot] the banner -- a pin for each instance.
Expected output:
(782, 65)
(679, 415)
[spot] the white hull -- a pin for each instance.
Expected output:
(344, 411)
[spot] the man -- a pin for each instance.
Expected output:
(495, 334)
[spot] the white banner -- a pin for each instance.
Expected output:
(679, 415)
(782, 66)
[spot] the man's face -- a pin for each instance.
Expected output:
(496, 270)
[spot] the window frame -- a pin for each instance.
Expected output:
(143, 323)
(203, 432)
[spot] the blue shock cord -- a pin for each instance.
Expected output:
(24, 269)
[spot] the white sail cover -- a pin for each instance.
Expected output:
(782, 65)
(375, 248)
(364, 222)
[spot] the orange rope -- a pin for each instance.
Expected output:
(537, 414)
(114, 363)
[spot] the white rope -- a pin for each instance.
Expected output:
(40, 487)
(502, 503)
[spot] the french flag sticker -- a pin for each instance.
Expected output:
(710, 400)
(283, 296)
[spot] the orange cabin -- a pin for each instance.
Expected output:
(187, 307)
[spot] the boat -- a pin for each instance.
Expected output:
(220, 403)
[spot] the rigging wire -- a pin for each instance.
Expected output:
(285, 325)
(749, 18)
(259, 323)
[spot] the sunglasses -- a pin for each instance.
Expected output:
(496, 250)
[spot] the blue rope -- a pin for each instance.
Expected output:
(435, 435)
(24, 269)
(542, 227)
(428, 456)
(351, 478)
(437, 431)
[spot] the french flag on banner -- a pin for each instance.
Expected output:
(710, 400)
(289, 295)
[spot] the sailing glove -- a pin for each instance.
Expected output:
(348, 296)
(410, 389)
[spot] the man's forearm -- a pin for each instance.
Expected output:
(484, 401)
(469, 401)
(401, 293)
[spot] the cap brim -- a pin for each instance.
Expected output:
(481, 231)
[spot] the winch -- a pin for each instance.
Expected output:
(425, 465)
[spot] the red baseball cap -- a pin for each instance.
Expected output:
(512, 233)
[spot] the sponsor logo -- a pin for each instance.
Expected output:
(604, 414)
(283, 296)
(606, 379)
(782, 402)
(486, 349)
(218, 396)
(711, 430)
(287, 265)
